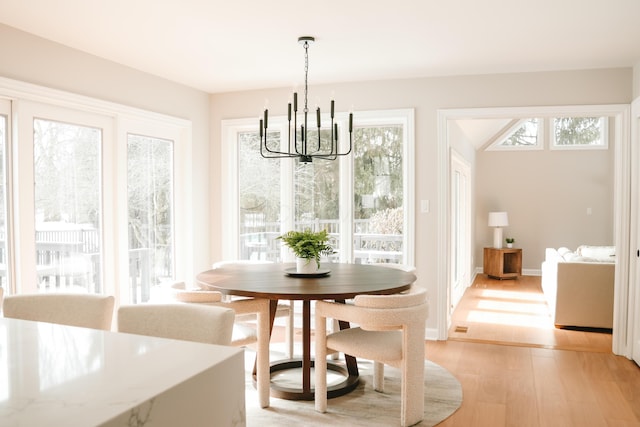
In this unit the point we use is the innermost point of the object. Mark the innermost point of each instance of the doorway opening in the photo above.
(619, 120)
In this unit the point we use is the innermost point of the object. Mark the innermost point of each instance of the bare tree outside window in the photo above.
(67, 205)
(378, 192)
(578, 131)
(259, 197)
(525, 135)
(150, 199)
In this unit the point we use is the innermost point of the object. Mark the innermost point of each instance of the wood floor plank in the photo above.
(612, 403)
(538, 387)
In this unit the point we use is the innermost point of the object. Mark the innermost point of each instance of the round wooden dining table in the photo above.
(335, 281)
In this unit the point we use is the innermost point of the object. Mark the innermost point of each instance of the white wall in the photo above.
(426, 96)
(31, 59)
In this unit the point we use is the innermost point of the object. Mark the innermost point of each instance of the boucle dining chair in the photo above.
(199, 323)
(285, 310)
(241, 335)
(84, 310)
(391, 331)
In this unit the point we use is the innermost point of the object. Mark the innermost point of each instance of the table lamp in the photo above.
(498, 220)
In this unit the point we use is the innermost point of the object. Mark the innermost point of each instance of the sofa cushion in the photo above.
(562, 251)
(572, 257)
(597, 253)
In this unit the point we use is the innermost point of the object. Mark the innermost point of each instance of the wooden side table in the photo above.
(504, 263)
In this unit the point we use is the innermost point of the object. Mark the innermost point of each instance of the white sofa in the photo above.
(578, 286)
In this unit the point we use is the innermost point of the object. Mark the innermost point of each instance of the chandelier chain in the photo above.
(306, 74)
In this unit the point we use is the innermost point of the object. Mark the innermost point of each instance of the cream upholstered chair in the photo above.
(84, 310)
(391, 331)
(283, 310)
(403, 267)
(206, 324)
(241, 335)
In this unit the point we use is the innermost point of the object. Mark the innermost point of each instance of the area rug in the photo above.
(363, 406)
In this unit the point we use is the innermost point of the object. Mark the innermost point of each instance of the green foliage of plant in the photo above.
(510, 239)
(308, 244)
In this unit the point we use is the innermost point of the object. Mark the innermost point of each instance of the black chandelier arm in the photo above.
(269, 153)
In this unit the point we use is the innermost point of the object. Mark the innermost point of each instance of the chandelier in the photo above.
(301, 147)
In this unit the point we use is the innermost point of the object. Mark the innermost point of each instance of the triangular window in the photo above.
(523, 134)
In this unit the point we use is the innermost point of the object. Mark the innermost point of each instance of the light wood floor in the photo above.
(511, 377)
(514, 312)
(564, 379)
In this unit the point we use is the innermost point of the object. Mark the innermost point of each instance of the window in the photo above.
(363, 200)
(580, 133)
(378, 216)
(66, 164)
(95, 208)
(150, 205)
(520, 134)
(570, 132)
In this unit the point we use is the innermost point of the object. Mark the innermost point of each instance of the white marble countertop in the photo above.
(54, 375)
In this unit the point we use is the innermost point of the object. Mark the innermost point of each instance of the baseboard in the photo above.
(525, 272)
(431, 334)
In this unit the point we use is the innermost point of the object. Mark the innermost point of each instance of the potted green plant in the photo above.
(307, 245)
(510, 241)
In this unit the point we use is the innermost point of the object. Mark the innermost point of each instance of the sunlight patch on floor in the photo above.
(512, 319)
(513, 307)
(520, 295)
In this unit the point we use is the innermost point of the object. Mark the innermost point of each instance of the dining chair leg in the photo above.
(412, 393)
(378, 376)
(289, 330)
(263, 370)
(320, 366)
(335, 327)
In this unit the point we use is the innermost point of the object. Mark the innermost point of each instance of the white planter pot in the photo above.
(509, 245)
(306, 266)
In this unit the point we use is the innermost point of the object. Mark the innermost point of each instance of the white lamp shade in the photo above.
(498, 219)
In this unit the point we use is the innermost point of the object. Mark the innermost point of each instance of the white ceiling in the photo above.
(221, 46)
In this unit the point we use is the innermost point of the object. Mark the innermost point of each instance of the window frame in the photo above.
(229, 165)
(119, 120)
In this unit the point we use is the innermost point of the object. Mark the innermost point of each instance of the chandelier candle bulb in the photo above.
(332, 107)
(295, 102)
(289, 111)
(350, 122)
(318, 116)
(266, 115)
